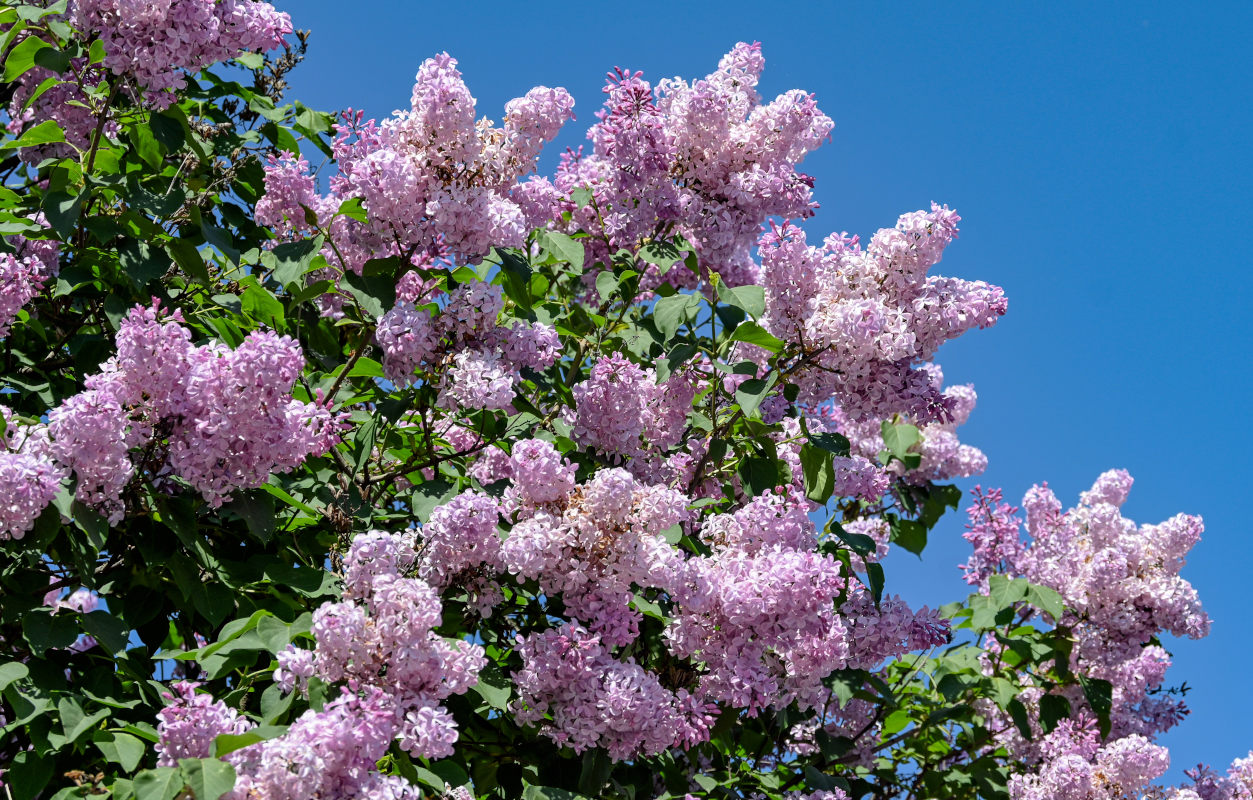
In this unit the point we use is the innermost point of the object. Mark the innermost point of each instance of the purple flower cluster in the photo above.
(29, 478)
(1121, 769)
(158, 42)
(481, 359)
(867, 317)
(596, 700)
(707, 160)
(434, 180)
(217, 418)
(993, 533)
(191, 721)
(379, 641)
(23, 273)
(622, 410)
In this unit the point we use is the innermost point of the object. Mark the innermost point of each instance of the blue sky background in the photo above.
(1101, 159)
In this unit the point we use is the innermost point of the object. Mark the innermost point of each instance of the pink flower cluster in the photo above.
(434, 179)
(993, 533)
(596, 700)
(482, 360)
(866, 317)
(592, 543)
(23, 273)
(29, 478)
(379, 641)
(621, 409)
(191, 721)
(329, 753)
(942, 456)
(706, 160)
(63, 103)
(217, 418)
(1079, 770)
(759, 616)
(157, 42)
(1237, 784)
(1122, 589)
(381, 637)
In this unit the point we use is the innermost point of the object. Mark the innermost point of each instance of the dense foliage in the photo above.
(420, 474)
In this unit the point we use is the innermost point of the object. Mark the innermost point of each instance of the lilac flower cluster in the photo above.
(707, 160)
(1237, 784)
(1122, 589)
(378, 641)
(158, 42)
(191, 721)
(591, 545)
(29, 478)
(596, 700)
(1124, 768)
(153, 43)
(380, 636)
(866, 317)
(622, 410)
(434, 180)
(481, 360)
(23, 273)
(328, 753)
(993, 534)
(217, 418)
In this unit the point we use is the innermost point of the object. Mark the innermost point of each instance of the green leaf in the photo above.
(897, 441)
(46, 132)
(375, 293)
(251, 60)
(493, 686)
(106, 629)
(750, 299)
(909, 534)
(352, 207)
(663, 254)
(1053, 709)
(581, 196)
(874, 576)
(1018, 713)
(121, 748)
(819, 473)
(516, 273)
(1046, 599)
(230, 742)
(208, 778)
(257, 512)
(52, 59)
(606, 285)
(563, 247)
(671, 312)
(10, 672)
(22, 58)
(188, 258)
(162, 783)
(26, 775)
(752, 333)
(833, 443)
(45, 630)
(752, 392)
(295, 259)
(1100, 696)
(759, 474)
(260, 304)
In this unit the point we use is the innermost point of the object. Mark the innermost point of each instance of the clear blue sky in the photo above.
(1100, 156)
